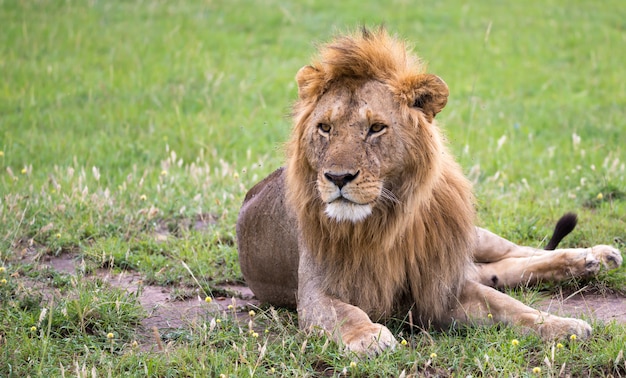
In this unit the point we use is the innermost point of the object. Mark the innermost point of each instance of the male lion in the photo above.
(373, 218)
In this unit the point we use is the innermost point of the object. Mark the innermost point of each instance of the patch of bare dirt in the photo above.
(595, 306)
(62, 264)
(164, 312)
(167, 313)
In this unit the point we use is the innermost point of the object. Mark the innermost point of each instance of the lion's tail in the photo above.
(563, 227)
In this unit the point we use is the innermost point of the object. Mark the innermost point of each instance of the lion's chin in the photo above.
(341, 210)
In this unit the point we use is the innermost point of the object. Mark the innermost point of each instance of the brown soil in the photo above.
(591, 306)
(163, 312)
(166, 313)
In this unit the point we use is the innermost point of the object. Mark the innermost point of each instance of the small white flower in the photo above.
(501, 142)
(575, 140)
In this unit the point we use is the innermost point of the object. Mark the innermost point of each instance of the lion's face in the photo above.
(355, 148)
(364, 130)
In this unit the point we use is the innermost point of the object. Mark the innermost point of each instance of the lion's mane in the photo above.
(413, 251)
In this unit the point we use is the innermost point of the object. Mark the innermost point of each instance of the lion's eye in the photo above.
(323, 127)
(377, 128)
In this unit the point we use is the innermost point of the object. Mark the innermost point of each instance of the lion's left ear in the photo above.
(427, 92)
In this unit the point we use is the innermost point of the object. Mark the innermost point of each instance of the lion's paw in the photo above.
(554, 328)
(371, 341)
(610, 257)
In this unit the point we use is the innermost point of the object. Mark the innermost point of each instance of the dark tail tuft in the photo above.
(564, 226)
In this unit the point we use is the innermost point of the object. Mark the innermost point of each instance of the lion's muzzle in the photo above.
(342, 204)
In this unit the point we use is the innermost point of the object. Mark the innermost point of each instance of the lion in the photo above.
(372, 217)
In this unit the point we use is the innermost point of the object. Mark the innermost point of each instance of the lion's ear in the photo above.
(309, 81)
(430, 94)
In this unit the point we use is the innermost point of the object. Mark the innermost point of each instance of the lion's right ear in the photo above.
(310, 82)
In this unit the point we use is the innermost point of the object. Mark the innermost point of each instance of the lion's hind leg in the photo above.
(558, 265)
(502, 263)
(482, 304)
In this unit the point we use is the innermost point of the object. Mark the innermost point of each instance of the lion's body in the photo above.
(392, 274)
(372, 217)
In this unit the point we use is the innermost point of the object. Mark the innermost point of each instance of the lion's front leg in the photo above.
(483, 304)
(348, 325)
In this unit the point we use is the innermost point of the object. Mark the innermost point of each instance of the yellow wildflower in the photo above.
(515, 342)
(251, 313)
(559, 346)
(208, 299)
(352, 365)
(537, 370)
(433, 355)
(573, 337)
(110, 335)
(403, 342)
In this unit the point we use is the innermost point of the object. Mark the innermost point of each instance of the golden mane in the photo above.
(369, 55)
(415, 247)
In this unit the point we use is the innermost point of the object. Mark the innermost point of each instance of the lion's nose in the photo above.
(340, 179)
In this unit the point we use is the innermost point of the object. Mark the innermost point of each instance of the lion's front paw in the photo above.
(610, 257)
(555, 327)
(370, 340)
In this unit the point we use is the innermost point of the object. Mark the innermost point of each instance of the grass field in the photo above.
(123, 123)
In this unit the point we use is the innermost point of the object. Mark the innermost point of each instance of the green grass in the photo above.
(122, 124)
